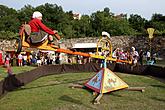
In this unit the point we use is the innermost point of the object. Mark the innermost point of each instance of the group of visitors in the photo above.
(40, 58)
(137, 57)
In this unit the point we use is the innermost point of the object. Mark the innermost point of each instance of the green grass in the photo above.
(53, 93)
(16, 70)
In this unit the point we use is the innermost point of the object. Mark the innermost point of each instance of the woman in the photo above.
(39, 31)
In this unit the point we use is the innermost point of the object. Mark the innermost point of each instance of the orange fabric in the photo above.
(19, 61)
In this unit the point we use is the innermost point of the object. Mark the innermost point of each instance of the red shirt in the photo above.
(36, 25)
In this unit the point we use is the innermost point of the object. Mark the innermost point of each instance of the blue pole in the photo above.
(105, 63)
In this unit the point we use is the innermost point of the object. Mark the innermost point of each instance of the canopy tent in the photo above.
(85, 45)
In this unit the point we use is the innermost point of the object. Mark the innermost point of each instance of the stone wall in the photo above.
(7, 45)
(125, 42)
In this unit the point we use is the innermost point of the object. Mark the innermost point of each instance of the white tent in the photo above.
(85, 45)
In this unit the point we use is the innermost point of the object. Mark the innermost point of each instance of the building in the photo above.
(85, 47)
(77, 16)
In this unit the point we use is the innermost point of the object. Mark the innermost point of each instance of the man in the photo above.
(141, 53)
(148, 56)
(39, 31)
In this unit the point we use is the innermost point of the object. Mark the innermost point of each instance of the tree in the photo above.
(55, 18)
(157, 17)
(158, 22)
(25, 14)
(137, 23)
(52, 14)
(8, 19)
(106, 21)
(84, 26)
(5, 11)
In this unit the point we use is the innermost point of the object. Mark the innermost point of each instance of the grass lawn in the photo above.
(16, 70)
(53, 93)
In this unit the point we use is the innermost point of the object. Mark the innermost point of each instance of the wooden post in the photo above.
(97, 100)
(136, 89)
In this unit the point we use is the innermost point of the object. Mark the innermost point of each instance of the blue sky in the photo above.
(145, 8)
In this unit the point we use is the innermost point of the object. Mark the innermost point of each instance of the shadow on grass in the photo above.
(72, 100)
(114, 94)
(158, 99)
(159, 79)
(42, 86)
(159, 86)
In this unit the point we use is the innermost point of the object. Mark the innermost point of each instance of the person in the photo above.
(154, 58)
(9, 71)
(134, 56)
(7, 61)
(24, 57)
(39, 31)
(20, 57)
(141, 53)
(38, 60)
(103, 61)
(148, 56)
(115, 53)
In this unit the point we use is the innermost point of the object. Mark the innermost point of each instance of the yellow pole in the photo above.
(150, 32)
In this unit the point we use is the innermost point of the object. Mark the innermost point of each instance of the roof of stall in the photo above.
(85, 45)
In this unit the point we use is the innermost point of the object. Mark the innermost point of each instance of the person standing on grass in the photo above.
(7, 66)
(20, 57)
(134, 56)
(7, 61)
(141, 53)
(24, 59)
(9, 71)
(148, 56)
(38, 60)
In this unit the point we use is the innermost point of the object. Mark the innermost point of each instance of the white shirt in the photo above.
(148, 54)
(20, 56)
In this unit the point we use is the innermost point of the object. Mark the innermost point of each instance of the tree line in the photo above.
(88, 26)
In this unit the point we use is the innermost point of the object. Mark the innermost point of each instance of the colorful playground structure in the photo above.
(103, 81)
(104, 42)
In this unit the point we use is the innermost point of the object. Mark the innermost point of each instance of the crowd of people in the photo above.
(46, 58)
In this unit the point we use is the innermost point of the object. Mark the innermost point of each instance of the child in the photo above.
(9, 71)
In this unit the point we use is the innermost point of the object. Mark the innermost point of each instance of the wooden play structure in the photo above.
(104, 81)
(104, 42)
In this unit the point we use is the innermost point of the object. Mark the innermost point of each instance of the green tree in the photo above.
(8, 19)
(157, 17)
(106, 21)
(158, 22)
(25, 14)
(52, 14)
(137, 23)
